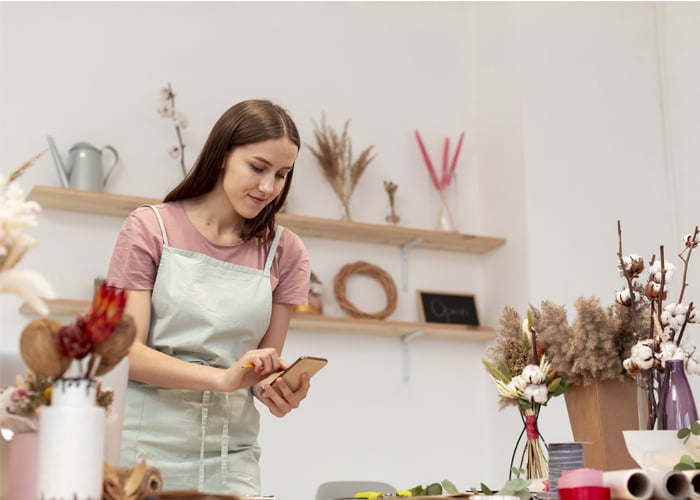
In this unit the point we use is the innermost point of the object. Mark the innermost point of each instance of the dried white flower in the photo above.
(536, 393)
(174, 151)
(516, 385)
(634, 265)
(641, 355)
(655, 271)
(673, 317)
(692, 366)
(532, 374)
(668, 350)
(623, 297)
(166, 110)
(180, 120)
(16, 215)
(166, 94)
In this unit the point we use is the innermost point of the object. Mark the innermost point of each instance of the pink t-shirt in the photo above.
(139, 246)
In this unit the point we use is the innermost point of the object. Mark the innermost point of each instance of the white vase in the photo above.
(71, 443)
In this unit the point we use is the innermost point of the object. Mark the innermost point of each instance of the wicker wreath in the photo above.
(373, 272)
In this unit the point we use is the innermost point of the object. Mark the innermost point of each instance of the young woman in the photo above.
(211, 283)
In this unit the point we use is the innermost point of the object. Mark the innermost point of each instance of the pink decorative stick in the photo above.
(454, 161)
(428, 163)
(445, 154)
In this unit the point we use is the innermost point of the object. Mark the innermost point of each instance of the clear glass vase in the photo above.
(646, 400)
(445, 220)
(676, 408)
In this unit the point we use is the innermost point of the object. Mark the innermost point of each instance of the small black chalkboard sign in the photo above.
(452, 308)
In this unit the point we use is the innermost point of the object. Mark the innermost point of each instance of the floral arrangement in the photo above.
(524, 376)
(20, 405)
(91, 346)
(659, 327)
(442, 182)
(334, 154)
(167, 110)
(16, 215)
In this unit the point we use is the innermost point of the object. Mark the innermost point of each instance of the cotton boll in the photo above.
(532, 374)
(536, 393)
(642, 355)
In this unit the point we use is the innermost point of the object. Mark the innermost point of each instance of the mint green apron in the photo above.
(206, 311)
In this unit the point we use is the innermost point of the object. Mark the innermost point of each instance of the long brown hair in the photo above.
(244, 123)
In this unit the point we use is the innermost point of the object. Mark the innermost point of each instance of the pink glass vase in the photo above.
(676, 408)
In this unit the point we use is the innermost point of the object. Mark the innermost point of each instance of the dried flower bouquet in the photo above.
(659, 327)
(524, 376)
(334, 154)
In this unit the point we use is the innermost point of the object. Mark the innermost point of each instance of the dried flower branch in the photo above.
(16, 215)
(667, 324)
(334, 154)
(390, 189)
(167, 110)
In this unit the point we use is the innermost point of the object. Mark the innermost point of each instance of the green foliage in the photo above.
(686, 462)
(685, 433)
(431, 489)
(450, 488)
(517, 487)
(435, 489)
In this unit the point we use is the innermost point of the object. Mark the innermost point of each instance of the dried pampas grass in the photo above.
(334, 153)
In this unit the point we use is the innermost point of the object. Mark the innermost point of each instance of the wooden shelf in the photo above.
(122, 205)
(320, 323)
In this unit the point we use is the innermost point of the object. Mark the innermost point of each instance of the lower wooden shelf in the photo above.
(318, 322)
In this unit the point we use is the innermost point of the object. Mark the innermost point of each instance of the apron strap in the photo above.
(205, 415)
(273, 249)
(225, 437)
(160, 221)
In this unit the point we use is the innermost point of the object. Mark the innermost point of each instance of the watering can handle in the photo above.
(116, 159)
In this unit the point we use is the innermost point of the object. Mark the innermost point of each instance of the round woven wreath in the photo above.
(373, 272)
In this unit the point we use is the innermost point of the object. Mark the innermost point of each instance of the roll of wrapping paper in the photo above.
(634, 484)
(121, 483)
(671, 485)
(694, 478)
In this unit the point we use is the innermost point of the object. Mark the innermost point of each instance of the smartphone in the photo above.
(305, 364)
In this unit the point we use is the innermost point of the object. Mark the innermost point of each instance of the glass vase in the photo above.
(646, 400)
(71, 443)
(445, 220)
(676, 408)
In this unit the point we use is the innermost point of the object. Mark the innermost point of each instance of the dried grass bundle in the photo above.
(592, 347)
(334, 153)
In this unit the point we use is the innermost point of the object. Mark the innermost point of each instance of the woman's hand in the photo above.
(279, 398)
(253, 367)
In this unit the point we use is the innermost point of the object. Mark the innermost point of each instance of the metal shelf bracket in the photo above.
(405, 341)
(404, 261)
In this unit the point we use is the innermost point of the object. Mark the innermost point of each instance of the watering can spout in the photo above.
(62, 174)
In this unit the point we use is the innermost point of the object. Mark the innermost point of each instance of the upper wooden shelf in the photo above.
(321, 323)
(122, 205)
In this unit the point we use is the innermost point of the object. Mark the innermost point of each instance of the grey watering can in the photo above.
(84, 169)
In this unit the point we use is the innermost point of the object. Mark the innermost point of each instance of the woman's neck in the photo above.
(213, 216)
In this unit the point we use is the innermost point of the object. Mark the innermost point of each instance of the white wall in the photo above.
(568, 129)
